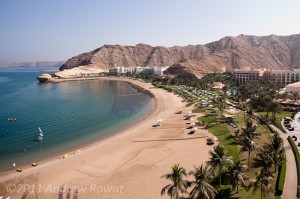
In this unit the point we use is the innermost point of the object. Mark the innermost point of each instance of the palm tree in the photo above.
(264, 158)
(262, 182)
(295, 96)
(218, 160)
(179, 185)
(202, 189)
(277, 151)
(220, 103)
(249, 130)
(274, 108)
(236, 172)
(248, 145)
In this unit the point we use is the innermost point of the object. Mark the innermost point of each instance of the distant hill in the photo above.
(272, 52)
(32, 64)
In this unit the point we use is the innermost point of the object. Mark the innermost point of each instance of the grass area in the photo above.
(215, 92)
(279, 117)
(190, 103)
(207, 119)
(199, 110)
(225, 139)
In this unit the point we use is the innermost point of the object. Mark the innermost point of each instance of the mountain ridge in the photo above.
(271, 52)
(32, 64)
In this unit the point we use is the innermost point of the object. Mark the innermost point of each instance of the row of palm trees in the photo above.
(219, 165)
(201, 186)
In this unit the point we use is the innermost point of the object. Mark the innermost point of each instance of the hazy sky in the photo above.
(53, 30)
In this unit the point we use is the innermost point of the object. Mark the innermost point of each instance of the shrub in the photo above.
(280, 179)
(223, 192)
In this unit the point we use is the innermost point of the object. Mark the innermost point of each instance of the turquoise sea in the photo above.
(70, 114)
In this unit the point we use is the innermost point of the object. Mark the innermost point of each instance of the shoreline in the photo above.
(72, 150)
(141, 153)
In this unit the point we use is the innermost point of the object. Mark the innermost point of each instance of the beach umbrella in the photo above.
(68, 194)
(75, 194)
(159, 121)
(61, 192)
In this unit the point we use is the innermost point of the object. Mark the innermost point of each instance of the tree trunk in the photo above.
(237, 186)
(220, 175)
(260, 192)
(248, 159)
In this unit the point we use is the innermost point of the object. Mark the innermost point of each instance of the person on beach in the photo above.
(14, 165)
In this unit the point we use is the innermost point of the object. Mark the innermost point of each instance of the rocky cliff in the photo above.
(272, 52)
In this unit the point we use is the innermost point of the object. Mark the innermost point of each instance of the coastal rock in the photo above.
(44, 77)
(271, 52)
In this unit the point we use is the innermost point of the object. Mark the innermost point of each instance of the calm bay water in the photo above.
(69, 113)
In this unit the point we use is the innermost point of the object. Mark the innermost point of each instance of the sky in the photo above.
(56, 30)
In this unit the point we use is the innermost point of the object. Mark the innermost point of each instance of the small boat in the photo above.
(65, 156)
(34, 164)
(19, 169)
(41, 135)
(11, 119)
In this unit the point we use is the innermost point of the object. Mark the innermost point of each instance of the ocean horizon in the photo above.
(70, 114)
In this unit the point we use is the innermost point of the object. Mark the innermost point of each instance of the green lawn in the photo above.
(215, 92)
(279, 115)
(225, 135)
(207, 119)
(199, 110)
(225, 138)
(190, 103)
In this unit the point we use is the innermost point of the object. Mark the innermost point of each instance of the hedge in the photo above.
(280, 179)
(297, 158)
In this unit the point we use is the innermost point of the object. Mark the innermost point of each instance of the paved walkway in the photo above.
(290, 183)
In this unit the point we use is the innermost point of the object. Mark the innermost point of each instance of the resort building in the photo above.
(277, 76)
(242, 76)
(285, 76)
(137, 70)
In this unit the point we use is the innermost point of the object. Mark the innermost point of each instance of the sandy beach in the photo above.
(127, 165)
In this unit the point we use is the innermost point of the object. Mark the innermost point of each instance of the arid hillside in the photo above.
(272, 52)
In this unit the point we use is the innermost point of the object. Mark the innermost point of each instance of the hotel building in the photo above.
(277, 76)
(146, 70)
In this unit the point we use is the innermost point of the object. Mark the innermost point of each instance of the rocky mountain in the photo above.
(272, 52)
(32, 64)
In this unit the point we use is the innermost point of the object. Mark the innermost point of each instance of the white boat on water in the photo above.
(41, 135)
